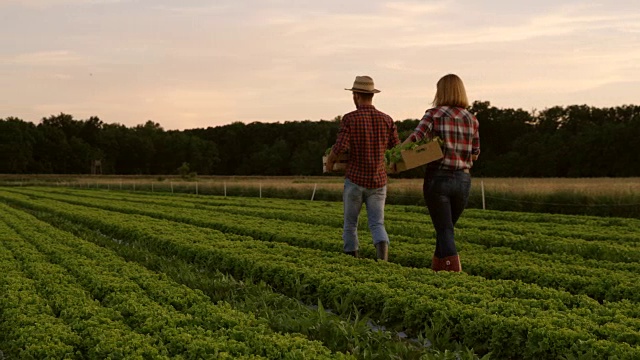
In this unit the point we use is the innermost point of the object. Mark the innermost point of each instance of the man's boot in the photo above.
(352, 253)
(382, 251)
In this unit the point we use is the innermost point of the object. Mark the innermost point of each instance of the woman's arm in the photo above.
(424, 129)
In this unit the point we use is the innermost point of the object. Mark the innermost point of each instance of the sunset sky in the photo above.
(196, 63)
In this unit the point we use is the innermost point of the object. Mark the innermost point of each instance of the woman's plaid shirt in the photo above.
(366, 134)
(458, 128)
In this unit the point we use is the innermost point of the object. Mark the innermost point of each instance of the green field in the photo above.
(111, 274)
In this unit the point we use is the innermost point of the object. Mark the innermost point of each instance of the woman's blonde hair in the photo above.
(450, 92)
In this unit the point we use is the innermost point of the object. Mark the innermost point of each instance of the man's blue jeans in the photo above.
(374, 200)
(446, 194)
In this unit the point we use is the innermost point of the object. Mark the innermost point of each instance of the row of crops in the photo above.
(96, 274)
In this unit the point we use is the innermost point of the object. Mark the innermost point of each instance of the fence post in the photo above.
(172, 187)
(134, 186)
(314, 191)
(196, 188)
(483, 202)
(225, 189)
(260, 190)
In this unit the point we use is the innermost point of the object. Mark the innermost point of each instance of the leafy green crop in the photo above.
(394, 155)
(536, 287)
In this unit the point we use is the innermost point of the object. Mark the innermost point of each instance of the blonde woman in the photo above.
(447, 182)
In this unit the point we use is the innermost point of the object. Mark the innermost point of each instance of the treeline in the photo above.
(573, 141)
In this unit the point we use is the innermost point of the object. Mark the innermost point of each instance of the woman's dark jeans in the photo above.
(446, 194)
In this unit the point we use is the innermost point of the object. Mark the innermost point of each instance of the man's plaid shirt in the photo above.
(458, 128)
(366, 133)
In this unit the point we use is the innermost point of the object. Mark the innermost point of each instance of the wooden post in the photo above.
(172, 187)
(315, 186)
(225, 189)
(483, 202)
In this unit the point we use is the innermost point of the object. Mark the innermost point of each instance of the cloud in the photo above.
(52, 3)
(60, 76)
(43, 58)
(418, 9)
(46, 4)
(196, 10)
(275, 60)
(396, 26)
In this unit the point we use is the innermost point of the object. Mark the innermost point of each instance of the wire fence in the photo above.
(558, 204)
(579, 204)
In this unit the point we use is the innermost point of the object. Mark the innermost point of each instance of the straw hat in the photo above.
(364, 84)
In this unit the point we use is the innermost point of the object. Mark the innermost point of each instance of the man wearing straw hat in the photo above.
(366, 134)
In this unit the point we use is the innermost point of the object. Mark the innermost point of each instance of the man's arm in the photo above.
(393, 136)
(331, 159)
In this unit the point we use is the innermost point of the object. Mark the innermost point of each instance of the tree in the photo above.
(576, 140)
(17, 139)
